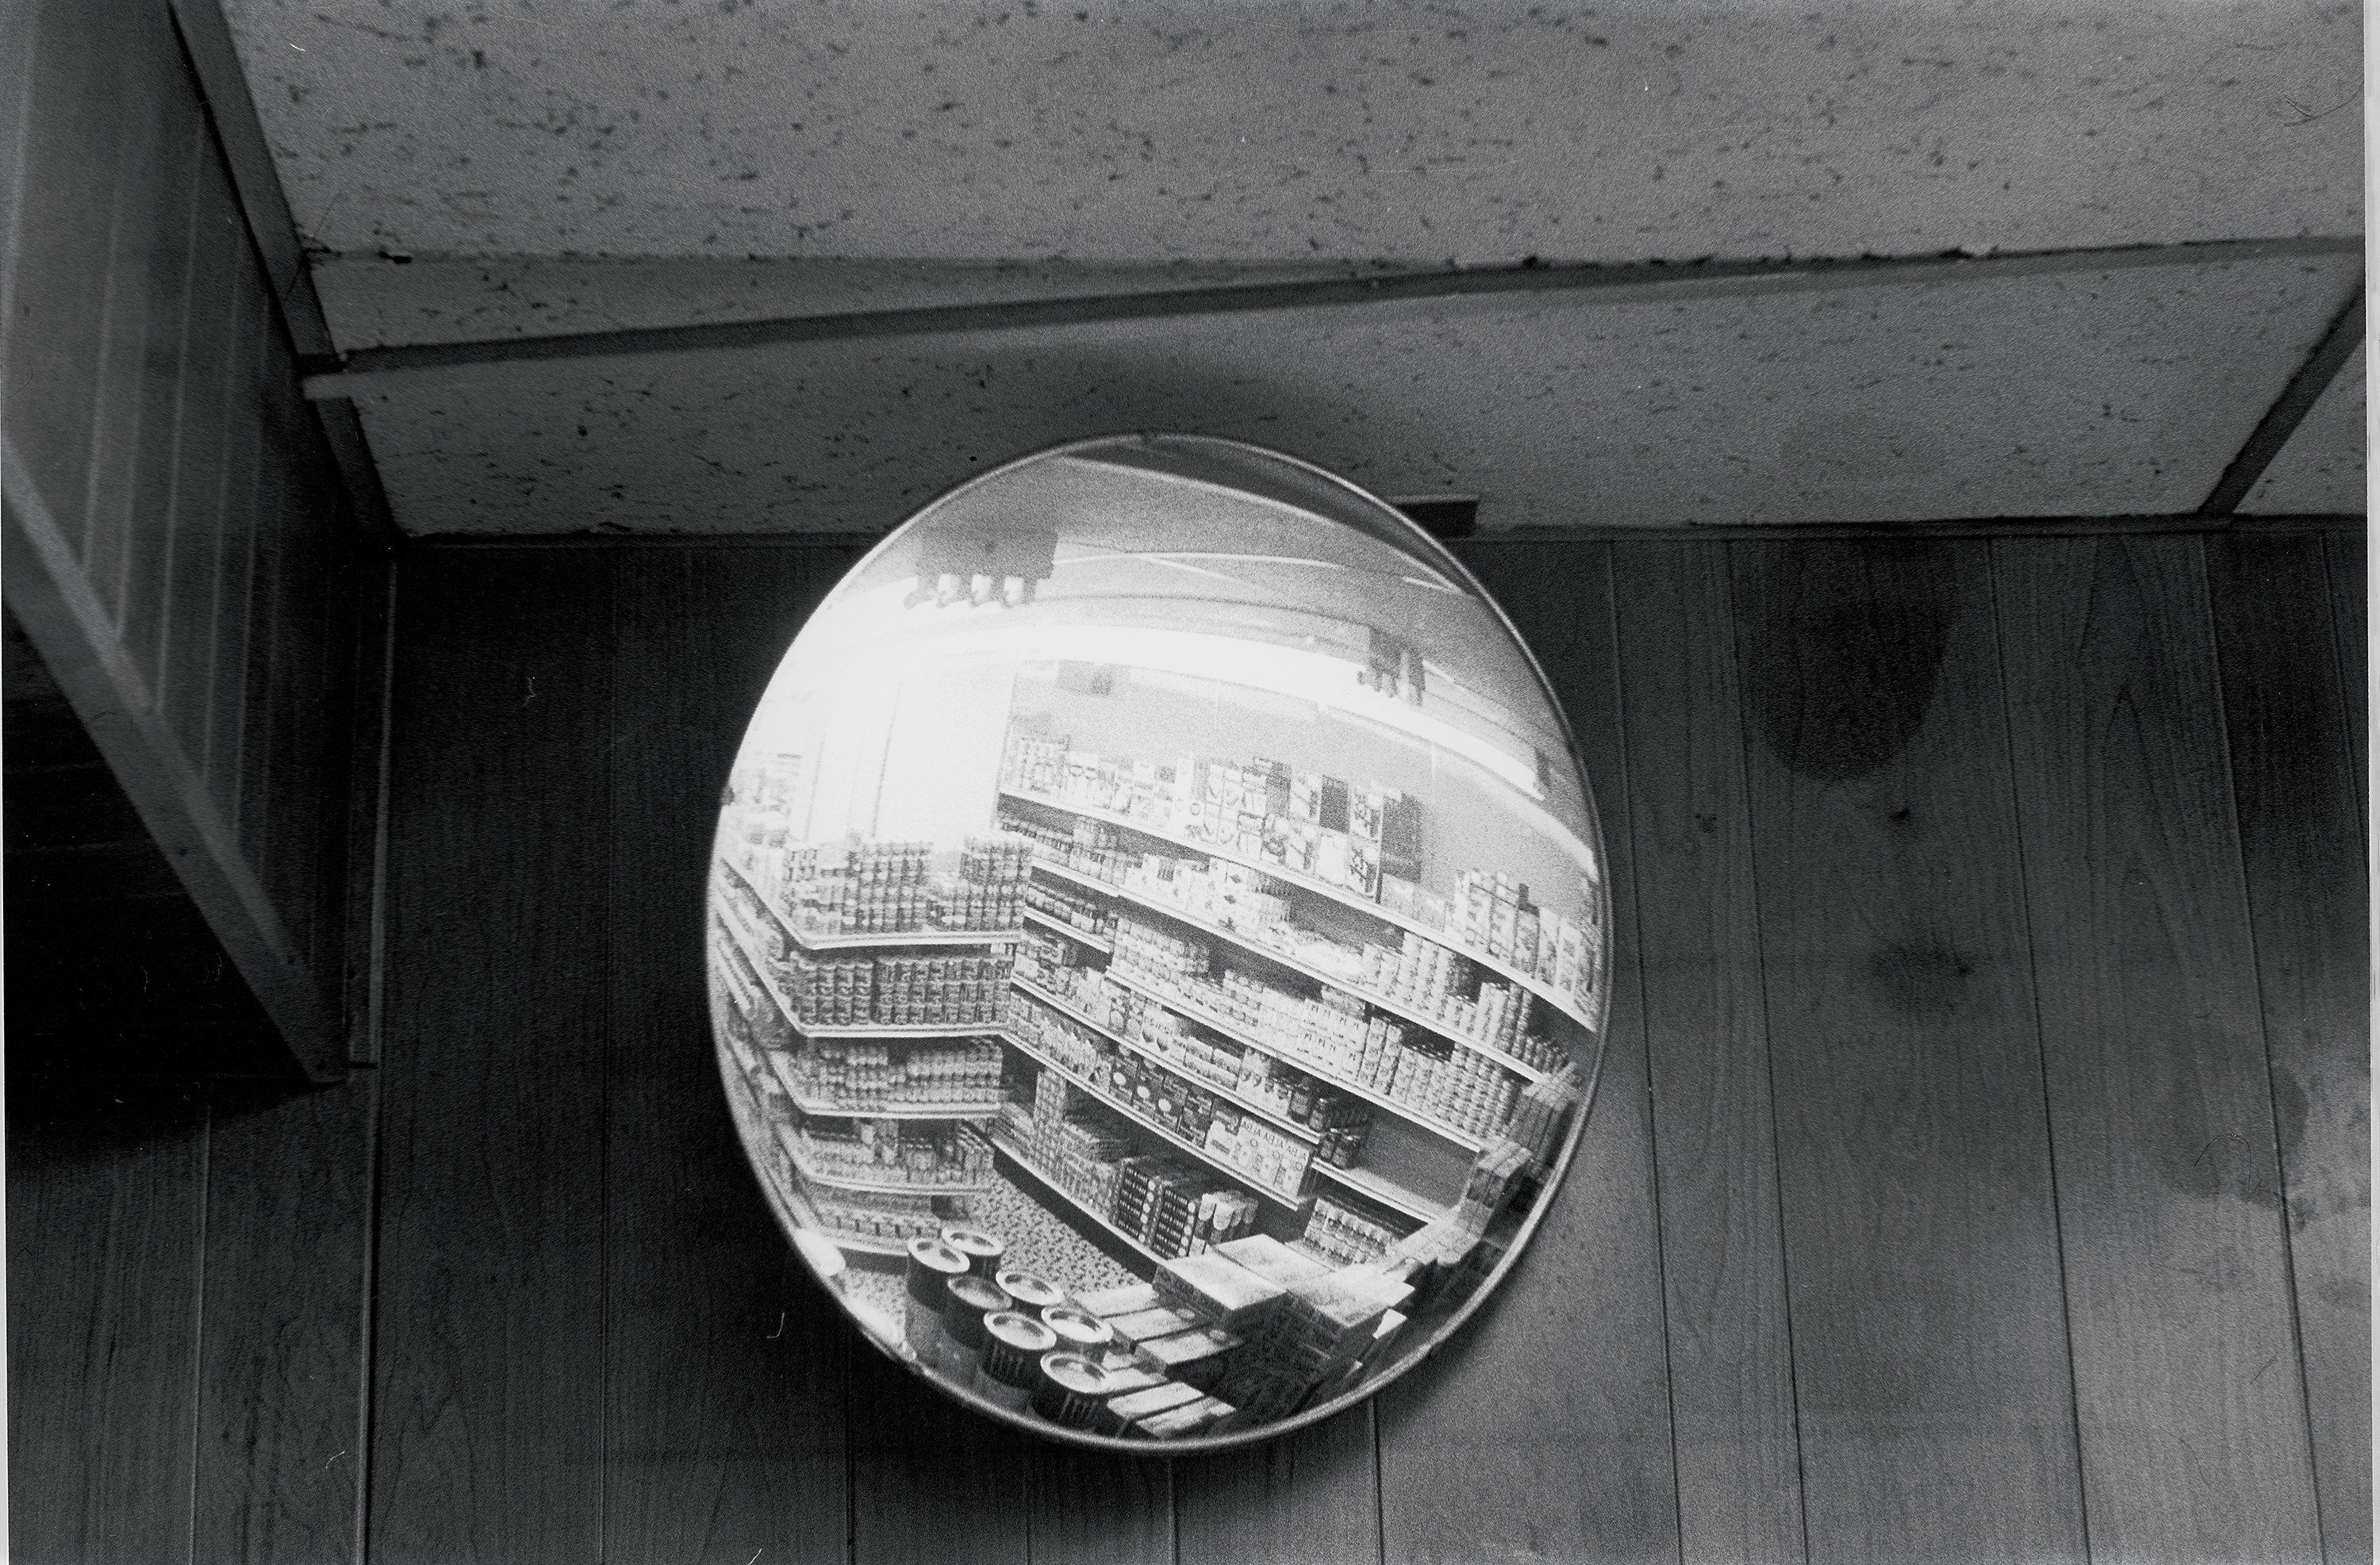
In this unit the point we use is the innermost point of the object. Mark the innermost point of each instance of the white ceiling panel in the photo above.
(2320, 472)
(1225, 131)
(2100, 393)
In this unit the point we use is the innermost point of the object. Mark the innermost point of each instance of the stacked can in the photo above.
(1068, 1388)
(982, 1250)
(968, 1300)
(1030, 1289)
(930, 1265)
(1010, 1366)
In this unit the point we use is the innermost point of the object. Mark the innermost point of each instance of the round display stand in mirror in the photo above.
(1158, 943)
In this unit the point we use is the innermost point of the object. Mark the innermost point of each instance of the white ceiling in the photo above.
(560, 167)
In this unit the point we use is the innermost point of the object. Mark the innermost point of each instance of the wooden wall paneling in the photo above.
(268, 672)
(2193, 1429)
(18, 34)
(1933, 1397)
(1698, 950)
(62, 618)
(282, 1363)
(1312, 1497)
(1087, 1508)
(203, 479)
(2293, 782)
(2347, 554)
(137, 264)
(723, 1362)
(152, 261)
(931, 1481)
(1543, 1431)
(221, 757)
(238, 756)
(308, 553)
(169, 450)
(57, 280)
(105, 1231)
(365, 846)
(488, 1359)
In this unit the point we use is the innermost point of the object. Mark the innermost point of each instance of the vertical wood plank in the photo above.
(1933, 1396)
(221, 754)
(1699, 932)
(281, 1457)
(58, 279)
(147, 62)
(1312, 1497)
(2293, 778)
(1087, 1508)
(723, 1364)
(165, 454)
(1543, 1431)
(20, 43)
(488, 1408)
(2346, 555)
(290, 805)
(931, 1481)
(262, 665)
(2192, 1426)
(202, 479)
(105, 1213)
(365, 842)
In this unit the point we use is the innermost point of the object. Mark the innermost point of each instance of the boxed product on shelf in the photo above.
(1271, 1259)
(1322, 1324)
(1544, 1109)
(1127, 1299)
(1345, 1235)
(1196, 1357)
(1207, 1415)
(1124, 1415)
(1215, 1285)
(1273, 1160)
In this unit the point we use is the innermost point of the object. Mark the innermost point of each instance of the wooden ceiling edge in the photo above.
(2314, 377)
(222, 86)
(380, 370)
(1772, 532)
(248, 157)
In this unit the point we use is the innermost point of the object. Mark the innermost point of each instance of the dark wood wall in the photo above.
(179, 544)
(1979, 1174)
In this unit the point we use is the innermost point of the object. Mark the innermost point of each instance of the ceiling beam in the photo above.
(240, 137)
(382, 369)
(2297, 399)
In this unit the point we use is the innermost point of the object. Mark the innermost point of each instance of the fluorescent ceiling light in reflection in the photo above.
(1282, 670)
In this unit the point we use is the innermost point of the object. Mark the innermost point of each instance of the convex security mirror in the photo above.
(1158, 943)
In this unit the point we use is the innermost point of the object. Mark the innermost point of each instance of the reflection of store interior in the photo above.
(1238, 988)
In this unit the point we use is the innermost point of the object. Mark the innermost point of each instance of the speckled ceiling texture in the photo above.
(1242, 129)
(618, 166)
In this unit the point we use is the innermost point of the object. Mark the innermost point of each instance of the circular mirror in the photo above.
(1158, 943)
